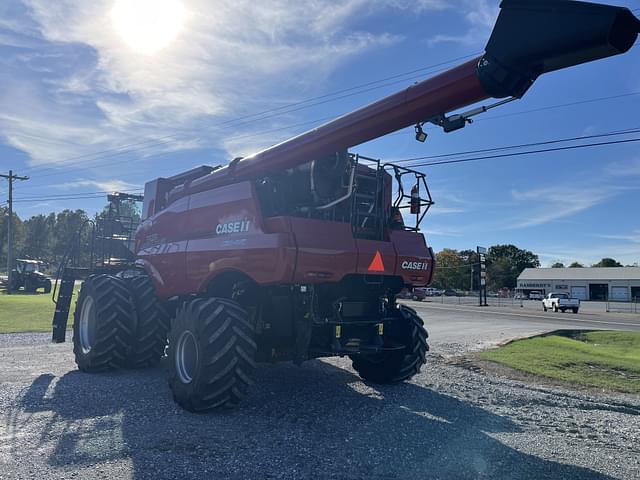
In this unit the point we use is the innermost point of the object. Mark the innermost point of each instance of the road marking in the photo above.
(528, 315)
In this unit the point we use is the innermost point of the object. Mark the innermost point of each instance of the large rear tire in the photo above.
(397, 366)
(211, 354)
(47, 286)
(153, 323)
(104, 322)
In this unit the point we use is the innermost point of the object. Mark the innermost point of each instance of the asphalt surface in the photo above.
(452, 421)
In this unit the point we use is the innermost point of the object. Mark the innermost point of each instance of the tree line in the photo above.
(458, 269)
(42, 237)
(48, 238)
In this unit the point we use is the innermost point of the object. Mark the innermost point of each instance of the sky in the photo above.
(108, 94)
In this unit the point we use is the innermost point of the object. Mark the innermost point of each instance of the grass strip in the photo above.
(604, 359)
(27, 312)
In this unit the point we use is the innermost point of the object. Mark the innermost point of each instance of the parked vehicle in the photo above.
(433, 292)
(27, 275)
(450, 292)
(535, 295)
(416, 293)
(560, 301)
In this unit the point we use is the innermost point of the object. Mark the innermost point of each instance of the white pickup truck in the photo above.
(560, 301)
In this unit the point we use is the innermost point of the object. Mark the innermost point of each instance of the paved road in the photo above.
(476, 327)
(319, 420)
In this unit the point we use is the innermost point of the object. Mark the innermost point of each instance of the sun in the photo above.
(148, 26)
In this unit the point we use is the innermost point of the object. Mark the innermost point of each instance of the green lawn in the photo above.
(22, 312)
(608, 360)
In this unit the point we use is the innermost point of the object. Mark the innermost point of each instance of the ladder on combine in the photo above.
(110, 249)
(369, 219)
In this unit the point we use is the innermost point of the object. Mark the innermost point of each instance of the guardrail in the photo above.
(473, 300)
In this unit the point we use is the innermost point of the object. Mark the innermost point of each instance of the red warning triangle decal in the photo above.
(376, 264)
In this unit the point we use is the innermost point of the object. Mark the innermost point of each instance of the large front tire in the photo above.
(150, 337)
(397, 366)
(211, 354)
(104, 322)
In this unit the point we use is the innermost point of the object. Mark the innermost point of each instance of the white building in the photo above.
(616, 283)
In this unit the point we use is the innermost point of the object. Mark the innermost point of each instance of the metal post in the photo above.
(10, 236)
(11, 177)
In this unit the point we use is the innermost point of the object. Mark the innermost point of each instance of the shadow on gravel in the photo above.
(315, 421)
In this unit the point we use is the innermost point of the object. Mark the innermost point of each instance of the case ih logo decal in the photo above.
(415, 265)
(233, 227)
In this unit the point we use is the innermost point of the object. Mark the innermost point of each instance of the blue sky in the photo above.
(80, 81)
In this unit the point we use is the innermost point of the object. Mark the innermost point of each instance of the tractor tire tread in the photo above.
(226, 352)
(153, 323)
(398, 369)
(114, 324)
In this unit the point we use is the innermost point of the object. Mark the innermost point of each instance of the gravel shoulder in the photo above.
(315, 421)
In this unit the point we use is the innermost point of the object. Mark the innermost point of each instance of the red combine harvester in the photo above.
(299, 251)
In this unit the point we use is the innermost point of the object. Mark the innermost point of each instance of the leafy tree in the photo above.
(452, 269)
(505, 263)
(68, 223)
(558, 265)
(576, 265)
(608, 263)
(18, 236)
(38, 236)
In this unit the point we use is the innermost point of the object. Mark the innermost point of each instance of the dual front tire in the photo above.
(118, 323)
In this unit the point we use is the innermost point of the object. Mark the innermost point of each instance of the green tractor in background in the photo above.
(27, 275)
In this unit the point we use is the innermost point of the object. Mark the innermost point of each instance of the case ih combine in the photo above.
(298, 251)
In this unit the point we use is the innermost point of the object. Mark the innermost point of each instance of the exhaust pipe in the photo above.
(532, 37)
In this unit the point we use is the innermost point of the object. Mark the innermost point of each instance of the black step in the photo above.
(63, 305)
(368, 196)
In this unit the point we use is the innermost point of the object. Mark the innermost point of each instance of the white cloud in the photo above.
(627, 254)
(630, 168)
(633, 237)
(553, 203)
(103, 185)
(564, 199)
(231, 58)
(480, 16)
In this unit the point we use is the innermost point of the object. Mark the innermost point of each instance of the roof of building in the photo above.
(587, 273)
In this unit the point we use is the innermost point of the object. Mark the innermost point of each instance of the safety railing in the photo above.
(624, 306)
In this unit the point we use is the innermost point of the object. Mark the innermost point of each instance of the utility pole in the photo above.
(11, 177)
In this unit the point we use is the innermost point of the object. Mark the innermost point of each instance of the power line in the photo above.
(46, 199)
(90, 195)
(73, 196)
(523, 145)
(356, 90)
(525, 112)
(530, 152)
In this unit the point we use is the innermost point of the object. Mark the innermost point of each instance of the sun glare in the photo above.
(148, 25)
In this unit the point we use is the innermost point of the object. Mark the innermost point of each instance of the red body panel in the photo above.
(201, 236)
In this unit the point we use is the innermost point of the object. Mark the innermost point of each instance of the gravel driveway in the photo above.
(314, 421)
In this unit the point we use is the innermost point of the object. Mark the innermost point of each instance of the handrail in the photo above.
(69, 255)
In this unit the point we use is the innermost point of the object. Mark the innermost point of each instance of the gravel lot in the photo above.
(314, 421)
